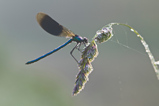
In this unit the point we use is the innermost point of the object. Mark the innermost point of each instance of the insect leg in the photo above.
(72, 52)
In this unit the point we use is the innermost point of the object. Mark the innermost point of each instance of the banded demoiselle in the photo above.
(54, 28)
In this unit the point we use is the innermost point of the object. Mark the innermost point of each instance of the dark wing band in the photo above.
(53, 27)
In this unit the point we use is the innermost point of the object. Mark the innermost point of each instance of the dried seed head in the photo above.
(85, 66)
(104, 34)
(90, 52)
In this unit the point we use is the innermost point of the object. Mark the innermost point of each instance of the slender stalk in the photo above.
(147, 49)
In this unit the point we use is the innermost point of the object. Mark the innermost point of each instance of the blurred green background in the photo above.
(121, 76)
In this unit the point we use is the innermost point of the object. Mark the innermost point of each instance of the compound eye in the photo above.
(85, 40)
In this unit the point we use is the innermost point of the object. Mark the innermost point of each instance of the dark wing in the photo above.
(53, 27)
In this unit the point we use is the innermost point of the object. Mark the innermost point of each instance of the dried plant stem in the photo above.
(91, 51)
(151, 57)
